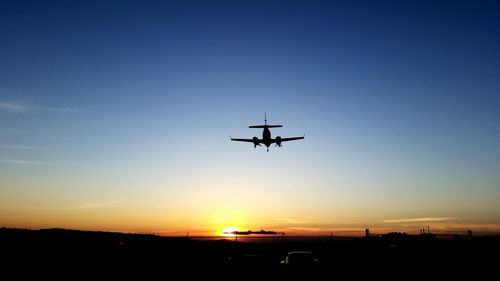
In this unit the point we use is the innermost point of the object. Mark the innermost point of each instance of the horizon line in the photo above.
(323, 234)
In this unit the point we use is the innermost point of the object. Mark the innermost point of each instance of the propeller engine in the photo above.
(255, 142)
(278, 141)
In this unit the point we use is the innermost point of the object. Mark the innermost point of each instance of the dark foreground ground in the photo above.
(72, 254)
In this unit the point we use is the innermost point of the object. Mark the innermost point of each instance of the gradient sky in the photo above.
(116, 115)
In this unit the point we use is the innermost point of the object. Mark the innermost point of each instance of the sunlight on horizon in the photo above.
(227, 231)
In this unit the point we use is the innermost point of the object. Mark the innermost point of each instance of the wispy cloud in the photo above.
(83, 206)
(13, 107)
(27, 162)
(43, 163)
(21, 147)
(288, 220)
(426, 219)
(98, 204)
(78, 164)
(305, 229)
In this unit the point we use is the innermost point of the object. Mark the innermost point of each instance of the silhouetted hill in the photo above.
(58, 252)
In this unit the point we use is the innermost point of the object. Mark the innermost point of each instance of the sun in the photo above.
(227, 231)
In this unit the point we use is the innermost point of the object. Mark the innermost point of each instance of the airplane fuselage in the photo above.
(266, 137)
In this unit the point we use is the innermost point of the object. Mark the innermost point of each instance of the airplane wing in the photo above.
(288, 139)
(291, 139)
(246, 140)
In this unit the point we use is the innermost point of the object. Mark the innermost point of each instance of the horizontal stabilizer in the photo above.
(265, 126)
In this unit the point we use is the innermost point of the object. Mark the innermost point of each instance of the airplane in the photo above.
(266, 139)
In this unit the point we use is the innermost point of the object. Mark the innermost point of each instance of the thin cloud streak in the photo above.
(27, 162)
(83, 165)
(295, 221)
(289, 220)
(97, 205)
(87, 205)
(12, 107)
(428, 219)
(21, 147)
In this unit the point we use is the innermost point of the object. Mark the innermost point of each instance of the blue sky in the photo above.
(126, 108)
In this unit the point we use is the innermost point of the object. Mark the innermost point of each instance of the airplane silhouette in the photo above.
(266, 139)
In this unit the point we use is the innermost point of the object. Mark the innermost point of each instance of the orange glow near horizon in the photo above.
(214, 217)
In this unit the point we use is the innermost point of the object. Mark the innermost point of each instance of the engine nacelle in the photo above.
(278, 141)
(255, 141)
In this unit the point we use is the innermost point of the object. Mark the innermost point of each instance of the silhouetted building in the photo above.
(367, 232)
(469, 234)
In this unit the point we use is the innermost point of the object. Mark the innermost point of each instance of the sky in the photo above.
(117, 116)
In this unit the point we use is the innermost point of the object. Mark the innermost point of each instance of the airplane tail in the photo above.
(265, 124)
